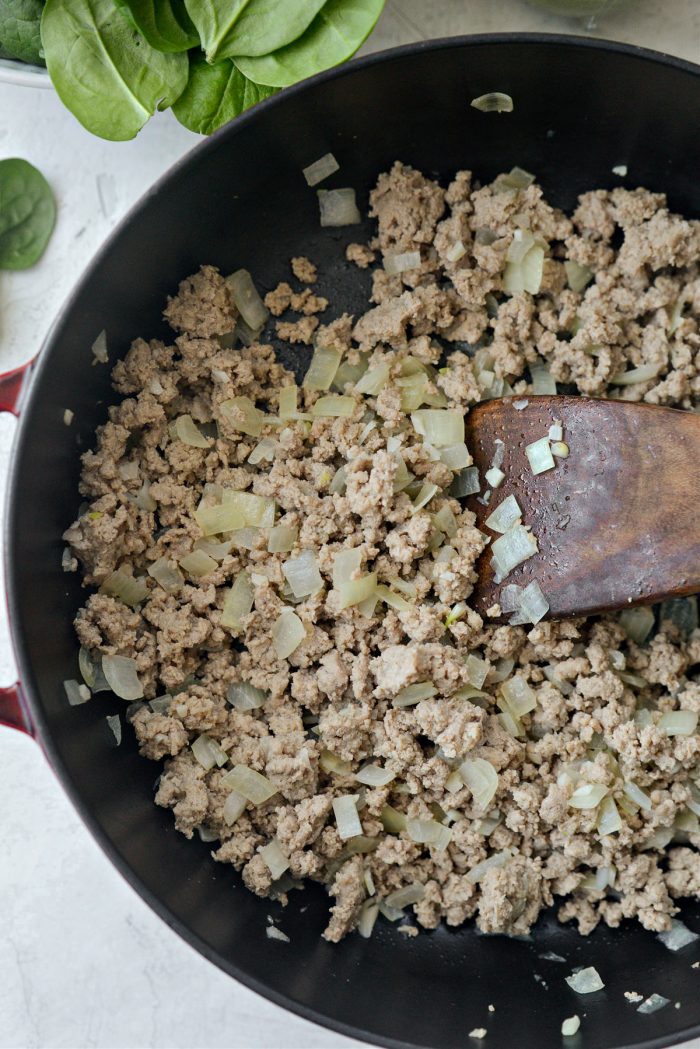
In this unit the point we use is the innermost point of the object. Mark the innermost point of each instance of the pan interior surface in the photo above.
(580, 109)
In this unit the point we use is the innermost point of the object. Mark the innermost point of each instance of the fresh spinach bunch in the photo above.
(27, 214)
(115, 62)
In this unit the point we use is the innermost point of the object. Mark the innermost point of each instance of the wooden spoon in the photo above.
(617, 522)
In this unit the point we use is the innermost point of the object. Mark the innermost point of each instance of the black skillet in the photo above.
(581, 108)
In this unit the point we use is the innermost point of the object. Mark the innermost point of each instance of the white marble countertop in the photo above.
(83, 961)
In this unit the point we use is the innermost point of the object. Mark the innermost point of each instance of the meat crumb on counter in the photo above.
(279, 576)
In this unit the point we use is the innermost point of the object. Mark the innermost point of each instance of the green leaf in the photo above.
(266, 25)
(164, 23)
(105, 72)
(20, 35)
(215, 94)
(27, 214)
(333, 36)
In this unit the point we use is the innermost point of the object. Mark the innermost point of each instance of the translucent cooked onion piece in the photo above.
(238, 602)
(585, 981)
(345, 564)
(406, 260)
(542, 380)
(533, 603)
(652, 1004)
(198, 564)
(456, 251)
(276, 859)
(637, 623)
(287, 634)
(412, 694)
(282, 538)
(99, 348)
(481, 778)
(395, 601)
(247, 300)
(208, 752)
(374, 776)
(122, 585)
(115, 727)
(588, 796)
(429, 832)
(144, 499)
(256, 511)
(643, 373)
(498, 859)
(539, 455)
(512, 548)
(525, 275)
(576, 275)
(504, 516)
(302, 574)
(637, 795)
(320, 169)
(122, 678)
(679, 722)
(242, 415)
(477, 669)
(466, 483)
(252, 785)
(570, 1026)
(426, 493)
(338, 207)
(244, 696)
(373, 381)
(406, 896)
(334, 405)
(493, 102)
(678, 936)
(560, 449)
(288, 399)
(322, 369)
(442, 427)
(392, 820)
(609, 820)
(245, 538)
(213, 520)
(456, 456)
(495, 477)
(346, 816)
(264, 451)
(369, 912)
(356, 590)
(76, 693)
(331, 763)
(519, 696)
(234, 807)
(189, 433)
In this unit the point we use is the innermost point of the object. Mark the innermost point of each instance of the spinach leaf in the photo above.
(27, 214)
(215, 94)
(333, 36)
(20, 35)
(107, 74)
(250, 27)
(164, 23)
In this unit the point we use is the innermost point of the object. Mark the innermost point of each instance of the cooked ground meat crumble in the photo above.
(341, 698)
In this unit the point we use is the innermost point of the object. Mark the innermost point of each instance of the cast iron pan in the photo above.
(581, 107)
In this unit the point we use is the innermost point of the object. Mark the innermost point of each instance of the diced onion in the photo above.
(570, 1026)
(374, 776)
(652, 1004)
(255, 510)
(356, 590)
(481, 778)
(302, 574)
(334, 405)
(405, 896)
(429, 832)
(276, 859)
(345, 564)
(391, 599)
(198, 564)
(188, 432)
(533, 604)
(412, 694)
(373, 381)
(455, 456)
(208, 752)
(241, 414)
(585, 981)
(556, 431)
(424, 496)
(576, 275)
(115, 727)
(264, 451)
(287, 634)
(245, 538)
(122, 678)
(320, 169)
(99, 348)
(144, 499)
(560, 449)
(244, 696)
(238, 602)
(407, 260)
(588, 796)
(629, 378)
(442, 427)
(217, 551)
(525, 275)
(477, 669)
(338, 207)
(213, 520)
(288, 398)
(321, 372)
(346, 816)
(539, 455)
(637, 623)
(504, 516)
(123, 585)
(368, 916)
(609, 820)
(493, 102)
(620, 169)
(637, 795)
(246, 299)
(542, 380)
(330, 762)
(76, 693)
(521, 404)
(281, 539)
(512, 548)
(659, 838)
(392, 820)
(466, 483)
(494, 477)
(679, 722)
(678, 936)
(519, 696)
(161, 705)
(234, 807)
(455, 252)
(498, 859)
(252, 785)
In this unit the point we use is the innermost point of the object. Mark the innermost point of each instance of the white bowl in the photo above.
(22, 74)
